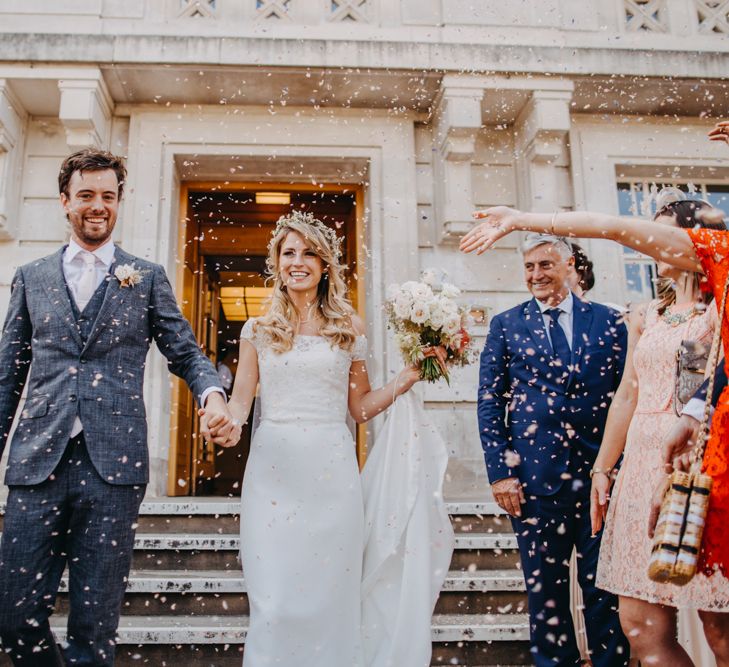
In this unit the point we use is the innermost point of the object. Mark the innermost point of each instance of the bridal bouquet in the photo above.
(430, 327)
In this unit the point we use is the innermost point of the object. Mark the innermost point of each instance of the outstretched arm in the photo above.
(661, 242)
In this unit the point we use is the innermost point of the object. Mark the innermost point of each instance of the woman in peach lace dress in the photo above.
(648, 613)
(641, 415)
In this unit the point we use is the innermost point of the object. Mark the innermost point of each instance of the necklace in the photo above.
(674, 319)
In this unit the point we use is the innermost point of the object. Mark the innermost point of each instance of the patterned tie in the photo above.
(86, 284)
(559, 340)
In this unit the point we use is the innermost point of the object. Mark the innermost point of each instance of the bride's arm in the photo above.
(662, 242)
(246, 380)
(365, 402)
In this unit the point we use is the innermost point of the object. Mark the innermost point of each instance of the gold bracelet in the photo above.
(551, 224)
(601, 471)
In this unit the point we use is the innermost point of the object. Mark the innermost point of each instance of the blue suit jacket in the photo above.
(528, 407)
(101, 380)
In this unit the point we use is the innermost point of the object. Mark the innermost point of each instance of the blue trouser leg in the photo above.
(101, 542)
(552, 527)
(32, 559)
(73, 517)
(608, 645)
(545, 545)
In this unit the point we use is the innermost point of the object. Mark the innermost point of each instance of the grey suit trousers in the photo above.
(74, 518)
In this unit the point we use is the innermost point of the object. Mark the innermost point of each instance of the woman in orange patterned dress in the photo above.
(693, 250)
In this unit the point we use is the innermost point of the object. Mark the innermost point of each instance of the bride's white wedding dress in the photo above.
(303, 521)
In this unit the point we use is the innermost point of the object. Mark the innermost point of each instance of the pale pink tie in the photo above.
(86, 284)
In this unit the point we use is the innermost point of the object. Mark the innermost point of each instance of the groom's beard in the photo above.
(93, 234)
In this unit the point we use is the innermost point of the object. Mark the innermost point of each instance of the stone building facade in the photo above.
(414, 111)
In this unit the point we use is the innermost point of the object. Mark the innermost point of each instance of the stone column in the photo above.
(457, 122)
(86, 108)
(12, 128)
(542, 141)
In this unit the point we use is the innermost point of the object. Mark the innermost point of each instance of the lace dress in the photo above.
(625, 549)
(302, 515)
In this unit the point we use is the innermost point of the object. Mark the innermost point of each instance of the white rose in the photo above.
(452, 325)
(402, 308)
(421, 292)
(429, 277)
(450, 291)
(420, 312)
(437, 316)
(449, 307)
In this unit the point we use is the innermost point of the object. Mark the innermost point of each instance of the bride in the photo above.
(302, 515)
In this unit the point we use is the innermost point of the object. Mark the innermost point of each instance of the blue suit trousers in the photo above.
(550, 527)
(73, 519)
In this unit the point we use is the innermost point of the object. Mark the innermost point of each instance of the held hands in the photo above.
(509, 495)
(217, 423)
(497, 223)
(599, 497)
(676, 451)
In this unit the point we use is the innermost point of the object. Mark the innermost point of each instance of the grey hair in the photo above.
(534, 240)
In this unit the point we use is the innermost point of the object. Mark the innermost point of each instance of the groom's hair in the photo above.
(91, 159)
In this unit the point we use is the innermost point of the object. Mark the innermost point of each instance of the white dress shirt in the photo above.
(73, 264)
(567, 306)
(73, 267)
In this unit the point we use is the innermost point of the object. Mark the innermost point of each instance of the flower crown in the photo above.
(334, 241)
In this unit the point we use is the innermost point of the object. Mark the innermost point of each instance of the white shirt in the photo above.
(566, 317)
(73, 266)
(695, 408)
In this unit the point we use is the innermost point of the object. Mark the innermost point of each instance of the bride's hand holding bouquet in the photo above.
(430, 326)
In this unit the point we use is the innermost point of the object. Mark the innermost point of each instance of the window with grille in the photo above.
(638, 198)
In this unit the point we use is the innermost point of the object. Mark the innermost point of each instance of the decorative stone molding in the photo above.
(12, 126)
(713, 16)
(204, 9)
(646, 15)
(457, 122)
(85, 111)
(273, 9)
(542, 131)
(350, 10)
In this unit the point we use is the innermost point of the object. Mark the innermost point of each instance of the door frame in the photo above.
(181, 472)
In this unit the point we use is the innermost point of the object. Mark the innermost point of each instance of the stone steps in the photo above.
(186, 602)
(216, 581)
(218, 641)
(224, 593)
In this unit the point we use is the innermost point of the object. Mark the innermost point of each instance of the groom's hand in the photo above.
(217, 423)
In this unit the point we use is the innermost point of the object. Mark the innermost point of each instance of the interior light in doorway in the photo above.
(280, 198)
(242, 303)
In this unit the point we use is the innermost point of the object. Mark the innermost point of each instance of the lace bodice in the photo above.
(309, 383)
(654, 357)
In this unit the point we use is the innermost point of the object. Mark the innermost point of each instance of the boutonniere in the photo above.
(128, 275)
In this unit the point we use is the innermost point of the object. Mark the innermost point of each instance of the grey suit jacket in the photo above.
(101, 380)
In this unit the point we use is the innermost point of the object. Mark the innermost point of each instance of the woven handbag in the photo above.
(680, 525)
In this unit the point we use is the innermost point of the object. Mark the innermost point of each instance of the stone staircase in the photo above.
(186, 602)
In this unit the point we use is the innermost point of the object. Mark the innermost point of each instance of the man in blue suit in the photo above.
(549, 369)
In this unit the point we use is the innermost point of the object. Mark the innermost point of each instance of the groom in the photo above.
(82, 320)
(548, 372)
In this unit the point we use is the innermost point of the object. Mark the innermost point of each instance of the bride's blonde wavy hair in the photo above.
(278, 325)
